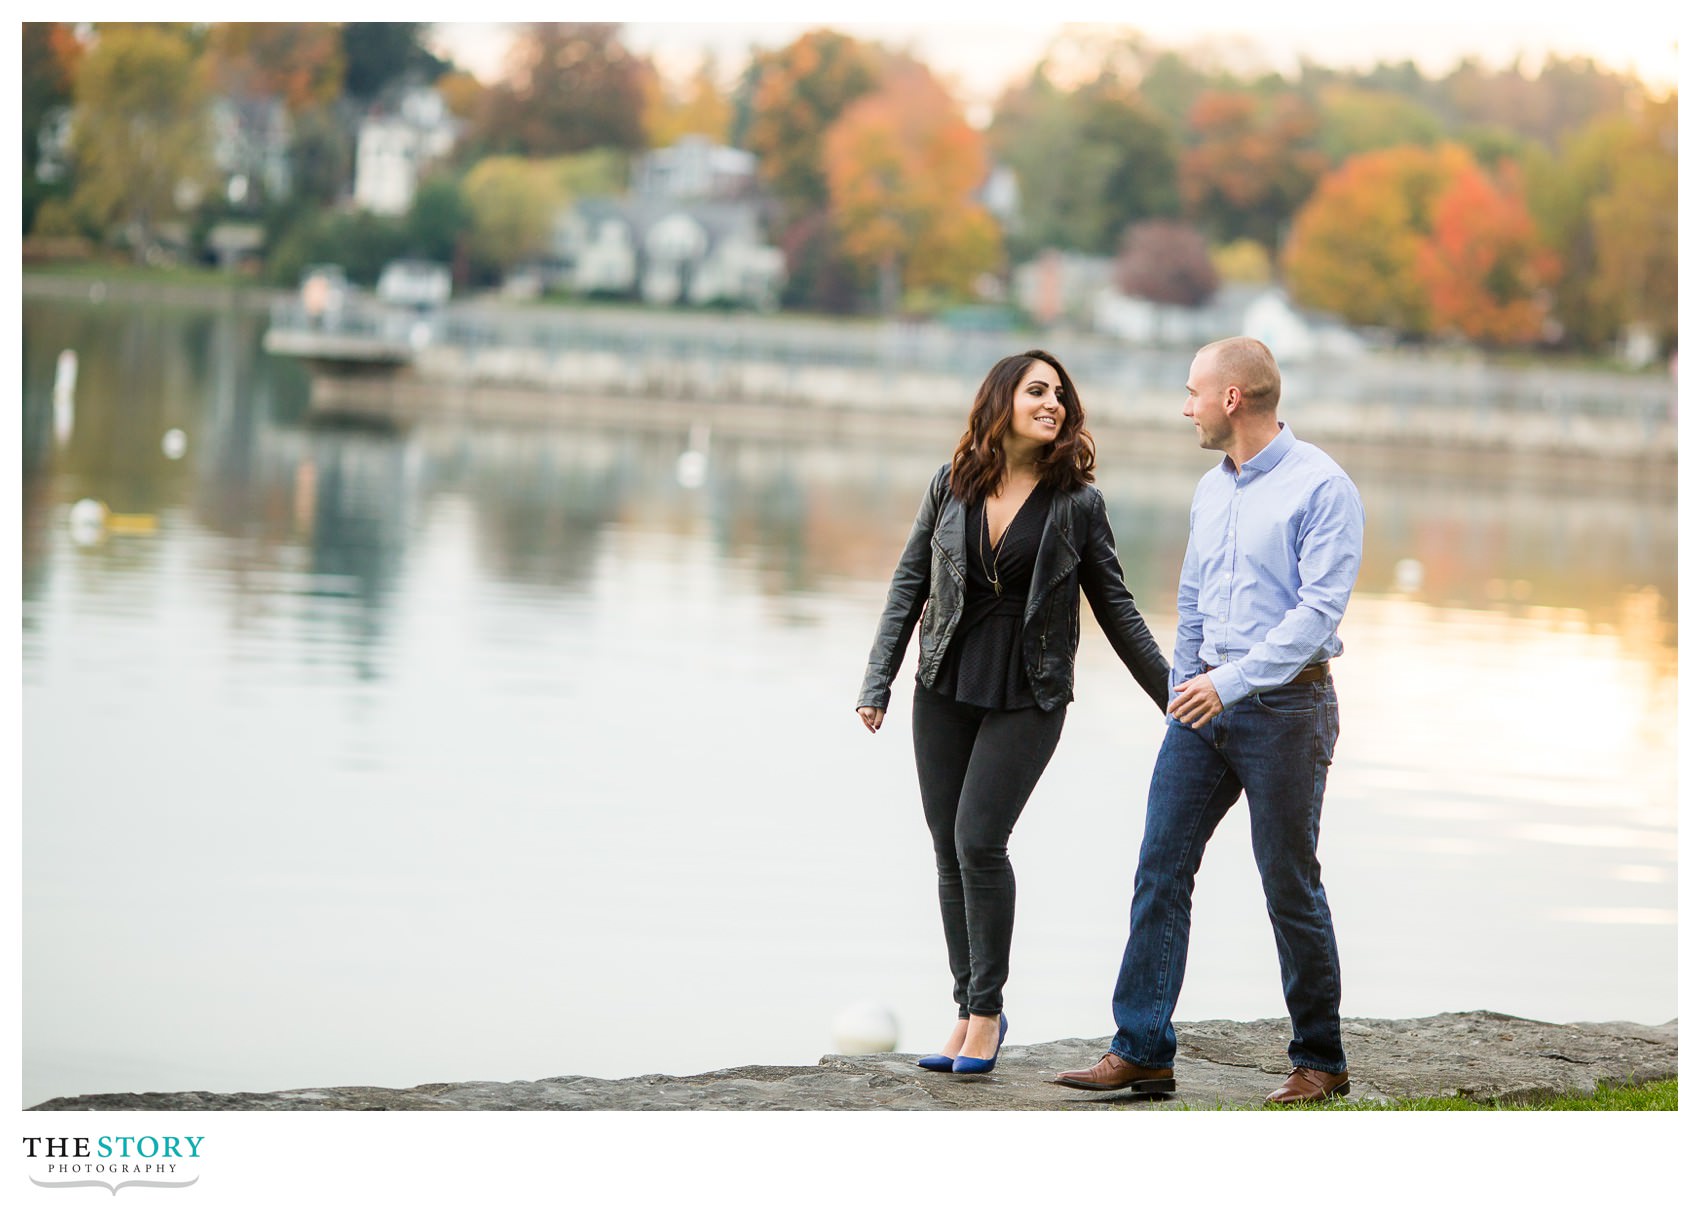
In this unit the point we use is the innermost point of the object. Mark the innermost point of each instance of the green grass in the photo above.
(1653, 1096)
(125, 271)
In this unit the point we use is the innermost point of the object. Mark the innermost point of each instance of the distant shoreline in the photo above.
(813, 376)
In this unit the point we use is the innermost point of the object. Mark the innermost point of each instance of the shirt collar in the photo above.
(1267, 458)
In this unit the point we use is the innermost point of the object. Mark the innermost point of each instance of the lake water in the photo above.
(365, 757)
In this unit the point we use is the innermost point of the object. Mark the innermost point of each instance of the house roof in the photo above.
(718, 218)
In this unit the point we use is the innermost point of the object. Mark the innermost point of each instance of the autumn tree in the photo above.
(782, 107)
(300, 62)
(465, 95)
(1545, 106)
(1635, 229)
(140, 139)
(1355, 245)
(902, 166)
(695, 106)
(1482, 264)
(1165, 261)
(796, 94)
(1243, 260)
(568, 86)
(1607, 203)
(51, 54)
(1250, 164)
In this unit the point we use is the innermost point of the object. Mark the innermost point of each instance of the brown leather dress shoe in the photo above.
(1113, 1073)
(1310, 1086)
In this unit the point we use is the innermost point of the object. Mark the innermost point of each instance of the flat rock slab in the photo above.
(1221, 1065)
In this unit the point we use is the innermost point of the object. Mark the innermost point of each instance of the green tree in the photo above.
(359, 241)
(512, 203)
(321, 157)
(1089, 162)
(439, 219)
(1607, 203)
(1356, 119)
(140, 138)
(377, 54)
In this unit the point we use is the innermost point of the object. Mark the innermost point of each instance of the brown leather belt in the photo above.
(1310, 673)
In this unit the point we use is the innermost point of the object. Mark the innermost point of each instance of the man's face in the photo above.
(1205, 399)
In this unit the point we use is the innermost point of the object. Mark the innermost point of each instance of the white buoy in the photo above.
(64, 417)
(692, 469)
(65, 372)
(88, 522)
(174, 443)
(64, 396)
(863, 1028)
(1408, 575)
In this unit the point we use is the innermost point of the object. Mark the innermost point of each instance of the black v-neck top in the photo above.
(983, 666)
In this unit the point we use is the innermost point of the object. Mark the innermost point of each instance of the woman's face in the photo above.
(1037, 416)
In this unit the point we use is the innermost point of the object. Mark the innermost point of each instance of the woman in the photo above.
(1011, 530)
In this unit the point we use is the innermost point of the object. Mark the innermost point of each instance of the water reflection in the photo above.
(513, 703)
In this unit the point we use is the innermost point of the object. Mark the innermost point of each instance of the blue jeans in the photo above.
(1275, 746)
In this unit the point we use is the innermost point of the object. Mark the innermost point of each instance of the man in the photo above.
(1275, 543)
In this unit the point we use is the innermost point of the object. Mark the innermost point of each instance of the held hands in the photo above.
(872, 717)
(1196, 701)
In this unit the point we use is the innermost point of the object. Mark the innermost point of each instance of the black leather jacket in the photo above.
(1076, 552)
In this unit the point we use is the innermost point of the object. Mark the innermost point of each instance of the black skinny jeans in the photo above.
(977, 768)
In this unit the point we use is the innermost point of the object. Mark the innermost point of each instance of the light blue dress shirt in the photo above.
(1271, 559)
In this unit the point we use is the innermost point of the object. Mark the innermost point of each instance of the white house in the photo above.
(392, 149)
(1252, 310)
(695, 168)
(689, 233)
(250, 146)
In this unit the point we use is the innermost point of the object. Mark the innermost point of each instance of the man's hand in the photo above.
(1196, 701)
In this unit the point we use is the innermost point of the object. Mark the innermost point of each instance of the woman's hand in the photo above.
(872, 717)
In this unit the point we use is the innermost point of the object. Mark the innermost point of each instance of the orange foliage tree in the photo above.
(1355, 246)
(300, 61)
(902, 166)
(567, 86)
(694, 106)
(798, 92)
(1483, 265)
(1251, 164)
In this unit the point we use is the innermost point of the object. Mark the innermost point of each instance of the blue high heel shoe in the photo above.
(973, 1064)
(938, 1062)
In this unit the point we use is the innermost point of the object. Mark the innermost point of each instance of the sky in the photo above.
(981, 57)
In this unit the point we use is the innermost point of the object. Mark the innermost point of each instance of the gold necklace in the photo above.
(985, 532)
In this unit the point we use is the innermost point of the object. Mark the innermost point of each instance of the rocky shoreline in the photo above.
(1221, 1065)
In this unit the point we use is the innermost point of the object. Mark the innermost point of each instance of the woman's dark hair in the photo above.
(977, 469)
